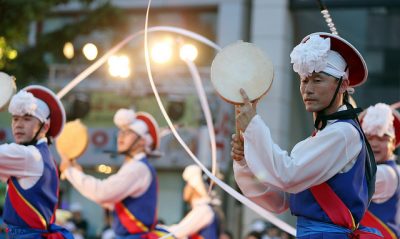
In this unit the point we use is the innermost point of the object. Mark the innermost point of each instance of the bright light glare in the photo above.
(161, 52)
(188, 52)
(68, 50)
(12, 54)
(119, 66)
(102, 168)
(90, 51)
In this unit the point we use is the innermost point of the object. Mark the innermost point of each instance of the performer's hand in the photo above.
(246, 111)
(67, 162)
(237, 152)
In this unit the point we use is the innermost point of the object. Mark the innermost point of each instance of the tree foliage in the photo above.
(31, 62)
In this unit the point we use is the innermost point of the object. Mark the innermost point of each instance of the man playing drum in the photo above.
(28, 166)
(132, 192)
(381, 125)
(328, 179)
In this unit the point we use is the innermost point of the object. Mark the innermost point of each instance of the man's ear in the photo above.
(46, 127)
(344, 86)
(392, 144)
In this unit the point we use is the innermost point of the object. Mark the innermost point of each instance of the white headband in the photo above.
(378, 120)
(126, 119)
(25, 103)
(315, 55)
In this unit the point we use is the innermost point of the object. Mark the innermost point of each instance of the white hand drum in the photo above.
(7, 89)
(241, 65)
(73, 140)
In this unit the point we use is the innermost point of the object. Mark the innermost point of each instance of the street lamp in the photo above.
(188, 52)
(90, 51)
(119, 66)
(68, 50)
(161, 52)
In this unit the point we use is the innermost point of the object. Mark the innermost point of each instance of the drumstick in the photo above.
(237, 130)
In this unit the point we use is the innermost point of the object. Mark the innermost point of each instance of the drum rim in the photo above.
(229, 100)
(12, 89)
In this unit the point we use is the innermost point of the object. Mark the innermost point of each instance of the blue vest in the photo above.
(43, 195)
(211, 231)
(387, 211)
(351, 187)
(143, 208)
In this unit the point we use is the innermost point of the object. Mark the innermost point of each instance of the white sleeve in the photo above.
(198, 218)
(312, 161)
(386, 183)
(268, 197)
(20, 161)
(133, 179)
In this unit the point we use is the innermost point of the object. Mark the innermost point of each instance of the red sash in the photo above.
(370, 220)
(196, 236)
(29, 214)
(24, 209)
(338, 212)
(130, 222)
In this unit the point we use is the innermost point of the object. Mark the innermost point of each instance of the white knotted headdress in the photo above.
(378, 120)
(315, 55)
(25, 103)
(126, 119)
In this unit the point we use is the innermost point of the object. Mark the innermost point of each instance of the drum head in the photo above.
(241, 65)
(73, 140)
(7, 89)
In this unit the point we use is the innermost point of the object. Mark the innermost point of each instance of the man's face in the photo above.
(382, 147)
(317, 91)
(24, 128)
(125, 140)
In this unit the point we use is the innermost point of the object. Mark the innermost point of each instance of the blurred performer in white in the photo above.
(202, 221)
(381, 125)
(133, 191)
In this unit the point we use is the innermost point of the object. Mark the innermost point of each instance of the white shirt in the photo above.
(386, 183)
(268, 171)
(199, 217)
(23, 162)
(132, 180)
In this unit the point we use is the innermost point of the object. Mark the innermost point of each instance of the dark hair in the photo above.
(254, 234)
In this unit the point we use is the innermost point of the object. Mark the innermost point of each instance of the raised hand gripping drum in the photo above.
(241, 65)
(7, 89)
(73, 140)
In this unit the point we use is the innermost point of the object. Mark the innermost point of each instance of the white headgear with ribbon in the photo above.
(126, 119)
(315, 55)
(378, 120)
(25, 103)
